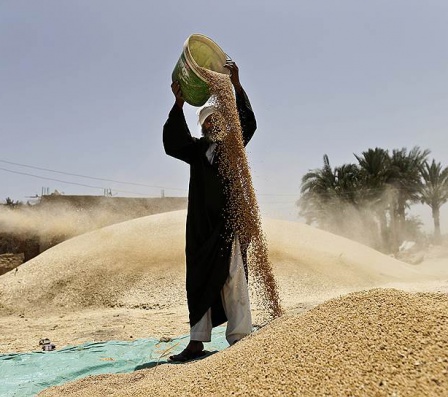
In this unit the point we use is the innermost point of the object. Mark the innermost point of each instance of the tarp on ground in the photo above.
(26, 374)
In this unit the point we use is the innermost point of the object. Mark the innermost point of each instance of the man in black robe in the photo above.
(216, 274)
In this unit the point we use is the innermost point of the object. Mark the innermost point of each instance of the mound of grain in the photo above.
(129, 280)
(312, 265)
(134, 264)
(141, 264)
(381, 342)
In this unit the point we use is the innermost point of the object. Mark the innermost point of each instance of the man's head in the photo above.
(208, 121)
(204, 113)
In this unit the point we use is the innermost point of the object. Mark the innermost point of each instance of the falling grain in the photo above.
(242, 213)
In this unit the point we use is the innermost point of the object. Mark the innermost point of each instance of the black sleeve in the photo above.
(177, 140)
(247, 116)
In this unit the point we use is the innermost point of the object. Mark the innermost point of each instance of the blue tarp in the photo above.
(26, 374)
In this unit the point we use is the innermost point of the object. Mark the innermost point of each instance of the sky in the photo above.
(85, 90)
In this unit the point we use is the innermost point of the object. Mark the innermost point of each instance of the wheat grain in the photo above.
(242, 212)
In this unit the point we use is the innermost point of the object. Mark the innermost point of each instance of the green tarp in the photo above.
(26, 374)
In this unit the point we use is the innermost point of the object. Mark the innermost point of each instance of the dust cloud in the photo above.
(59, 220)
(71, 216)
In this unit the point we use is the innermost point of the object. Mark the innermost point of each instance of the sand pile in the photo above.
(127, 281)
(140, 264)
(381, 342)
(116, 266)
(312, 265)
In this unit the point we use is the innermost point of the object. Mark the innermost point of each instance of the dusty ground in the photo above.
(21, 333)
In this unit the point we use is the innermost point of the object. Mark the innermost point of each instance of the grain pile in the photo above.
(116, 266)
(128, 280)
(381, 342)
(242, 214)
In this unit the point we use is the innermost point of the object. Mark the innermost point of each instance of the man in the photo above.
(216, 276)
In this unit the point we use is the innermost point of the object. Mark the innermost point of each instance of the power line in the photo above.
(84, 176)
(70, 183)
(105, 180)
(327, 194)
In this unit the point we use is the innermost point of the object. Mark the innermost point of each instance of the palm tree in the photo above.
(375, 172)
(405, 175)
(347, 185)
(405, 178)
(392, 182)
(434, 191)
(317, 190)
(330, 197)
(377, 191)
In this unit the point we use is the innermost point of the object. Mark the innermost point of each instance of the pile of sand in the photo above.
(380, 342)
(140, 264)
(127, 281)
(137, 263)
(121, 282)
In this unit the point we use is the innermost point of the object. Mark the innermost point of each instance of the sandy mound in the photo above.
(127, 281)
(379, 342)
(140, 264)
(137, 263)
(311, 264)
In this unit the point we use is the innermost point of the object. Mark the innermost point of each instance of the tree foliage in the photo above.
(368, 200)
(11, 203)
(434, 191)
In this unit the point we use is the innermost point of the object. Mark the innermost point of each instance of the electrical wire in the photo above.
(84, 176)
(105, 180)
(70, 183)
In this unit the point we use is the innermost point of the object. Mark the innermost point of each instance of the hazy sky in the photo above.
(85, 89)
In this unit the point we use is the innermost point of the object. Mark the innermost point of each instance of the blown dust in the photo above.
(355, 322)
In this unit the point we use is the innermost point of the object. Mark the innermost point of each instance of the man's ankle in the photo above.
(196, 345)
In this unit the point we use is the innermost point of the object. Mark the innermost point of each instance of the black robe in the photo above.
(207, 251)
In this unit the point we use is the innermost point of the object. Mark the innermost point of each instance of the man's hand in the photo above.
(234, 74)
(175, 87)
